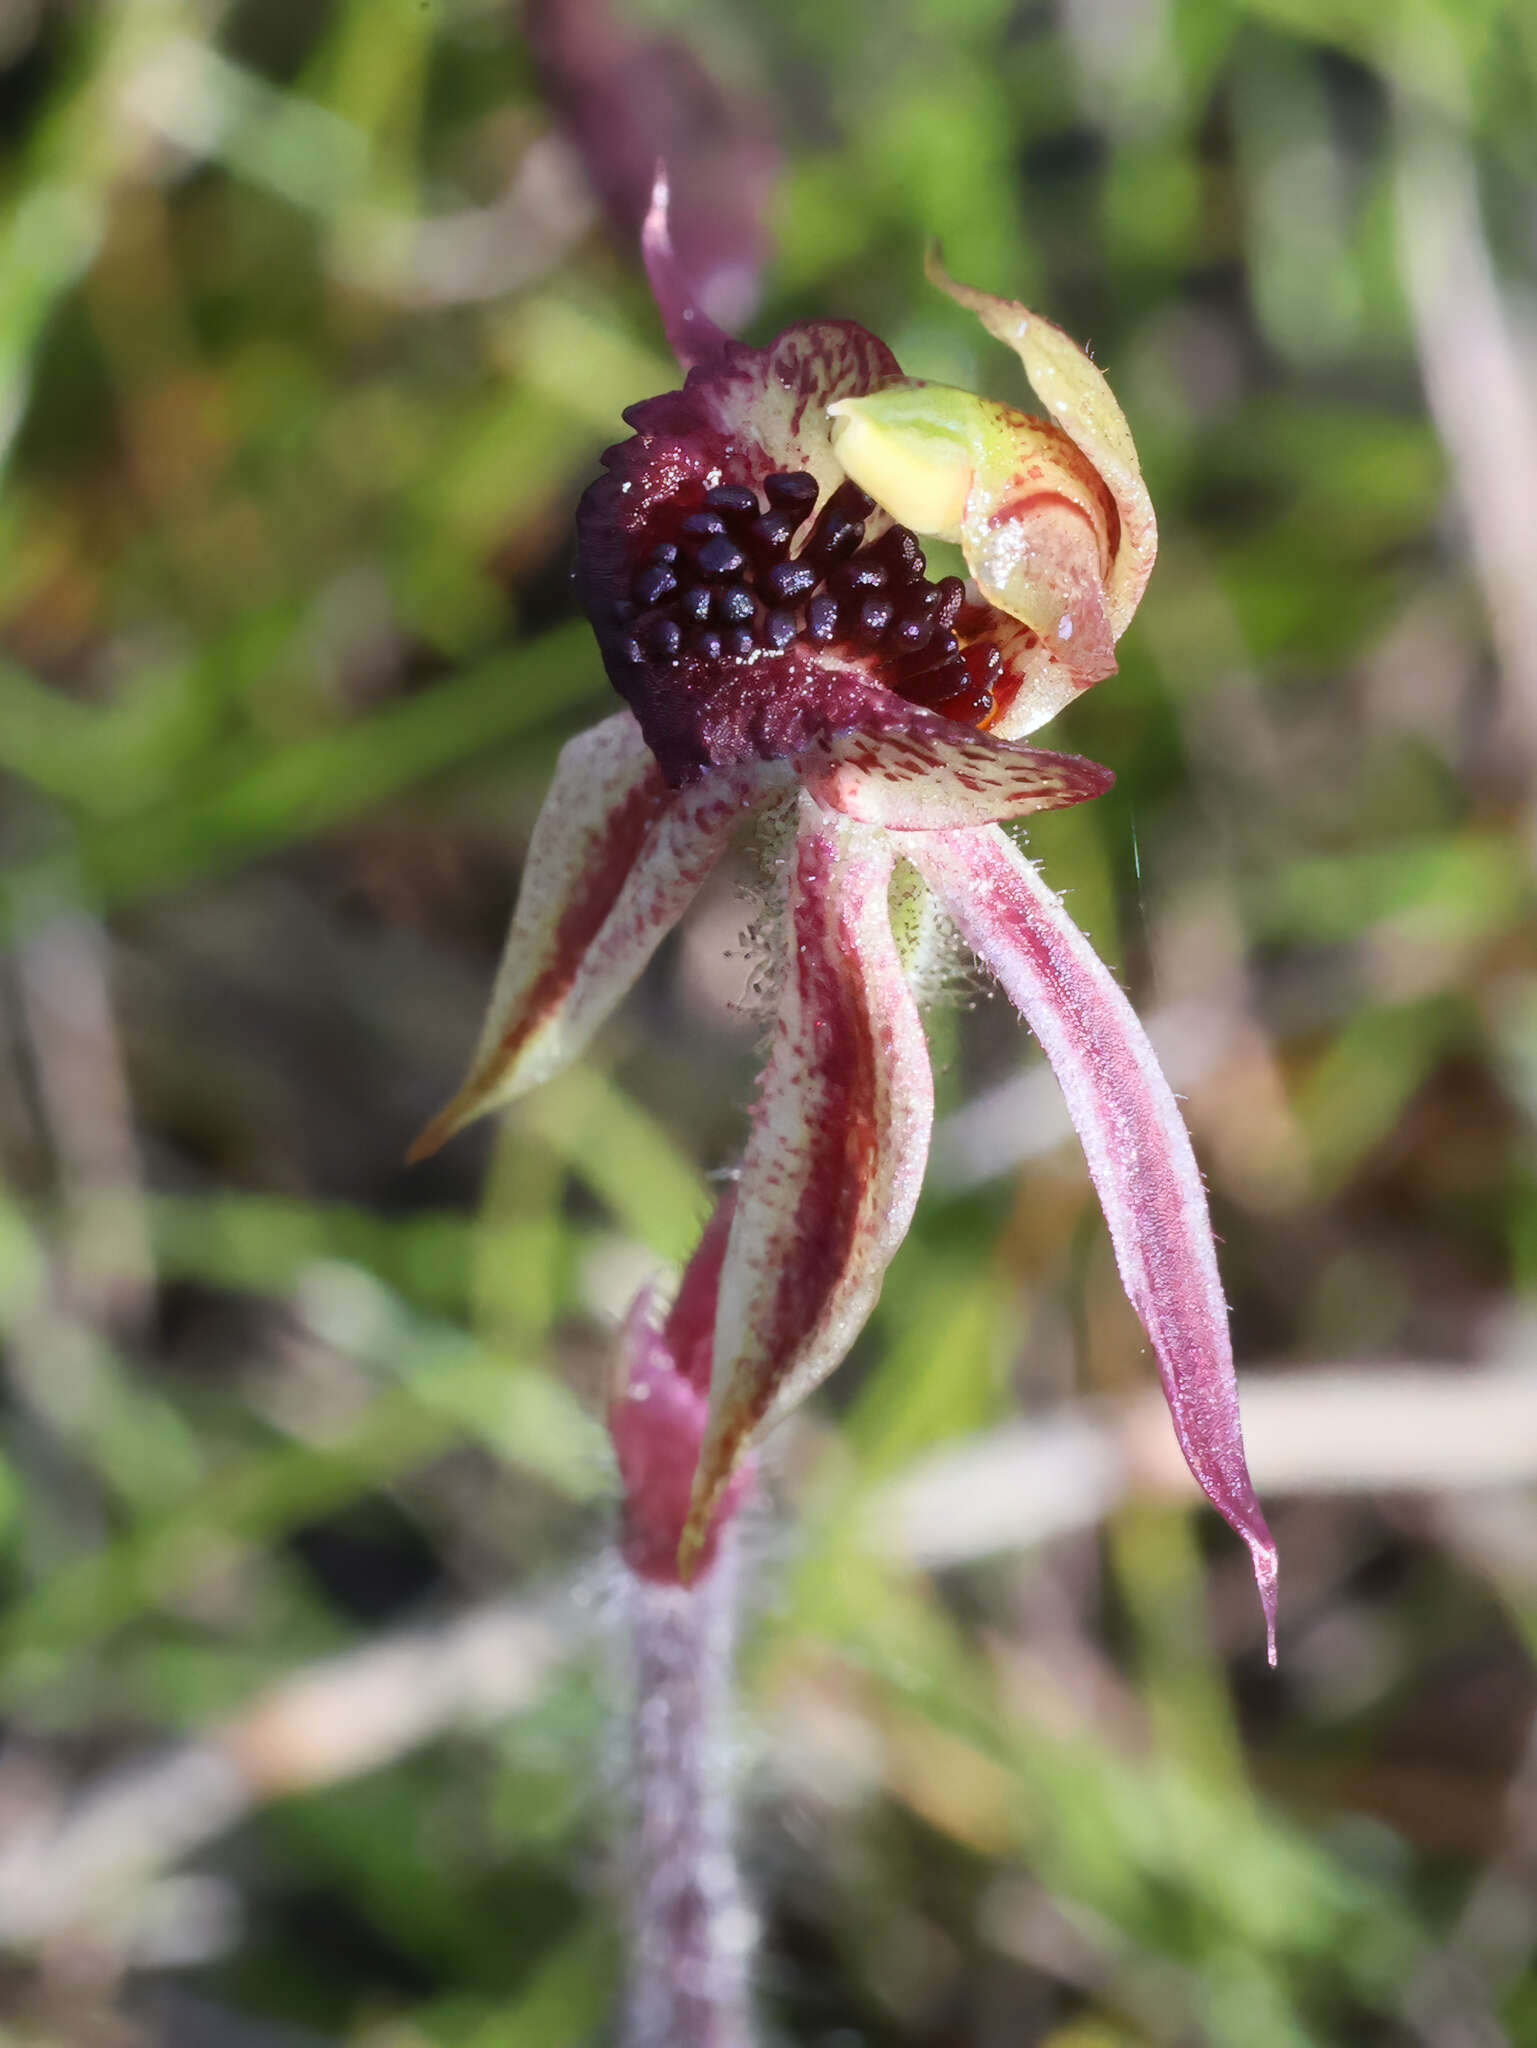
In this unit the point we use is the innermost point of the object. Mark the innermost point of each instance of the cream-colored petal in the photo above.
(835, 1158)
(616, 858)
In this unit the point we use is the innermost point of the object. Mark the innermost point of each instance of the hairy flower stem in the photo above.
(690, 1929)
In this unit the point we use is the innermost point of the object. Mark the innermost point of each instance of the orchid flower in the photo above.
(752, 566)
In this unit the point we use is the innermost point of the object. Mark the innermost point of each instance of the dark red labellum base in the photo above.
(745, 621)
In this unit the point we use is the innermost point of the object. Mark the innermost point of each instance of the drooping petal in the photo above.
(616, 858)
(657, 1413)
(833, 1165)
(1138, 1151)
(1075, 393)
(929, 774)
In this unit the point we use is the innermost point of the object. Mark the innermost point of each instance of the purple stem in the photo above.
(690, 1929)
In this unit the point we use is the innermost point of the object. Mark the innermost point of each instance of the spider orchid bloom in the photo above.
(751, 565)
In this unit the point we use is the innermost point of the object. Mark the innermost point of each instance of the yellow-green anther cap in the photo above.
(913, 447)
(1083, 406)
(1051, 515)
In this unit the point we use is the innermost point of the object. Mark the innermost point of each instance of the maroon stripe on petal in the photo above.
(612, 861)
(611, 857)
(833, 1044)
(690, 1326)
(835, 1158)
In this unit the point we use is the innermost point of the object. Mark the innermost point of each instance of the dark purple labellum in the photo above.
(731, 578)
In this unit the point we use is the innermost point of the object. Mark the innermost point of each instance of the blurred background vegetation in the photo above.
(311, 330)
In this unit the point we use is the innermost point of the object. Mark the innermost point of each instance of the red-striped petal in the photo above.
(836, 1154)
(615, 860)
(1137, 1147)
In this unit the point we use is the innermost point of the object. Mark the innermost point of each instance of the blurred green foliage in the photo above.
(286, 652)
